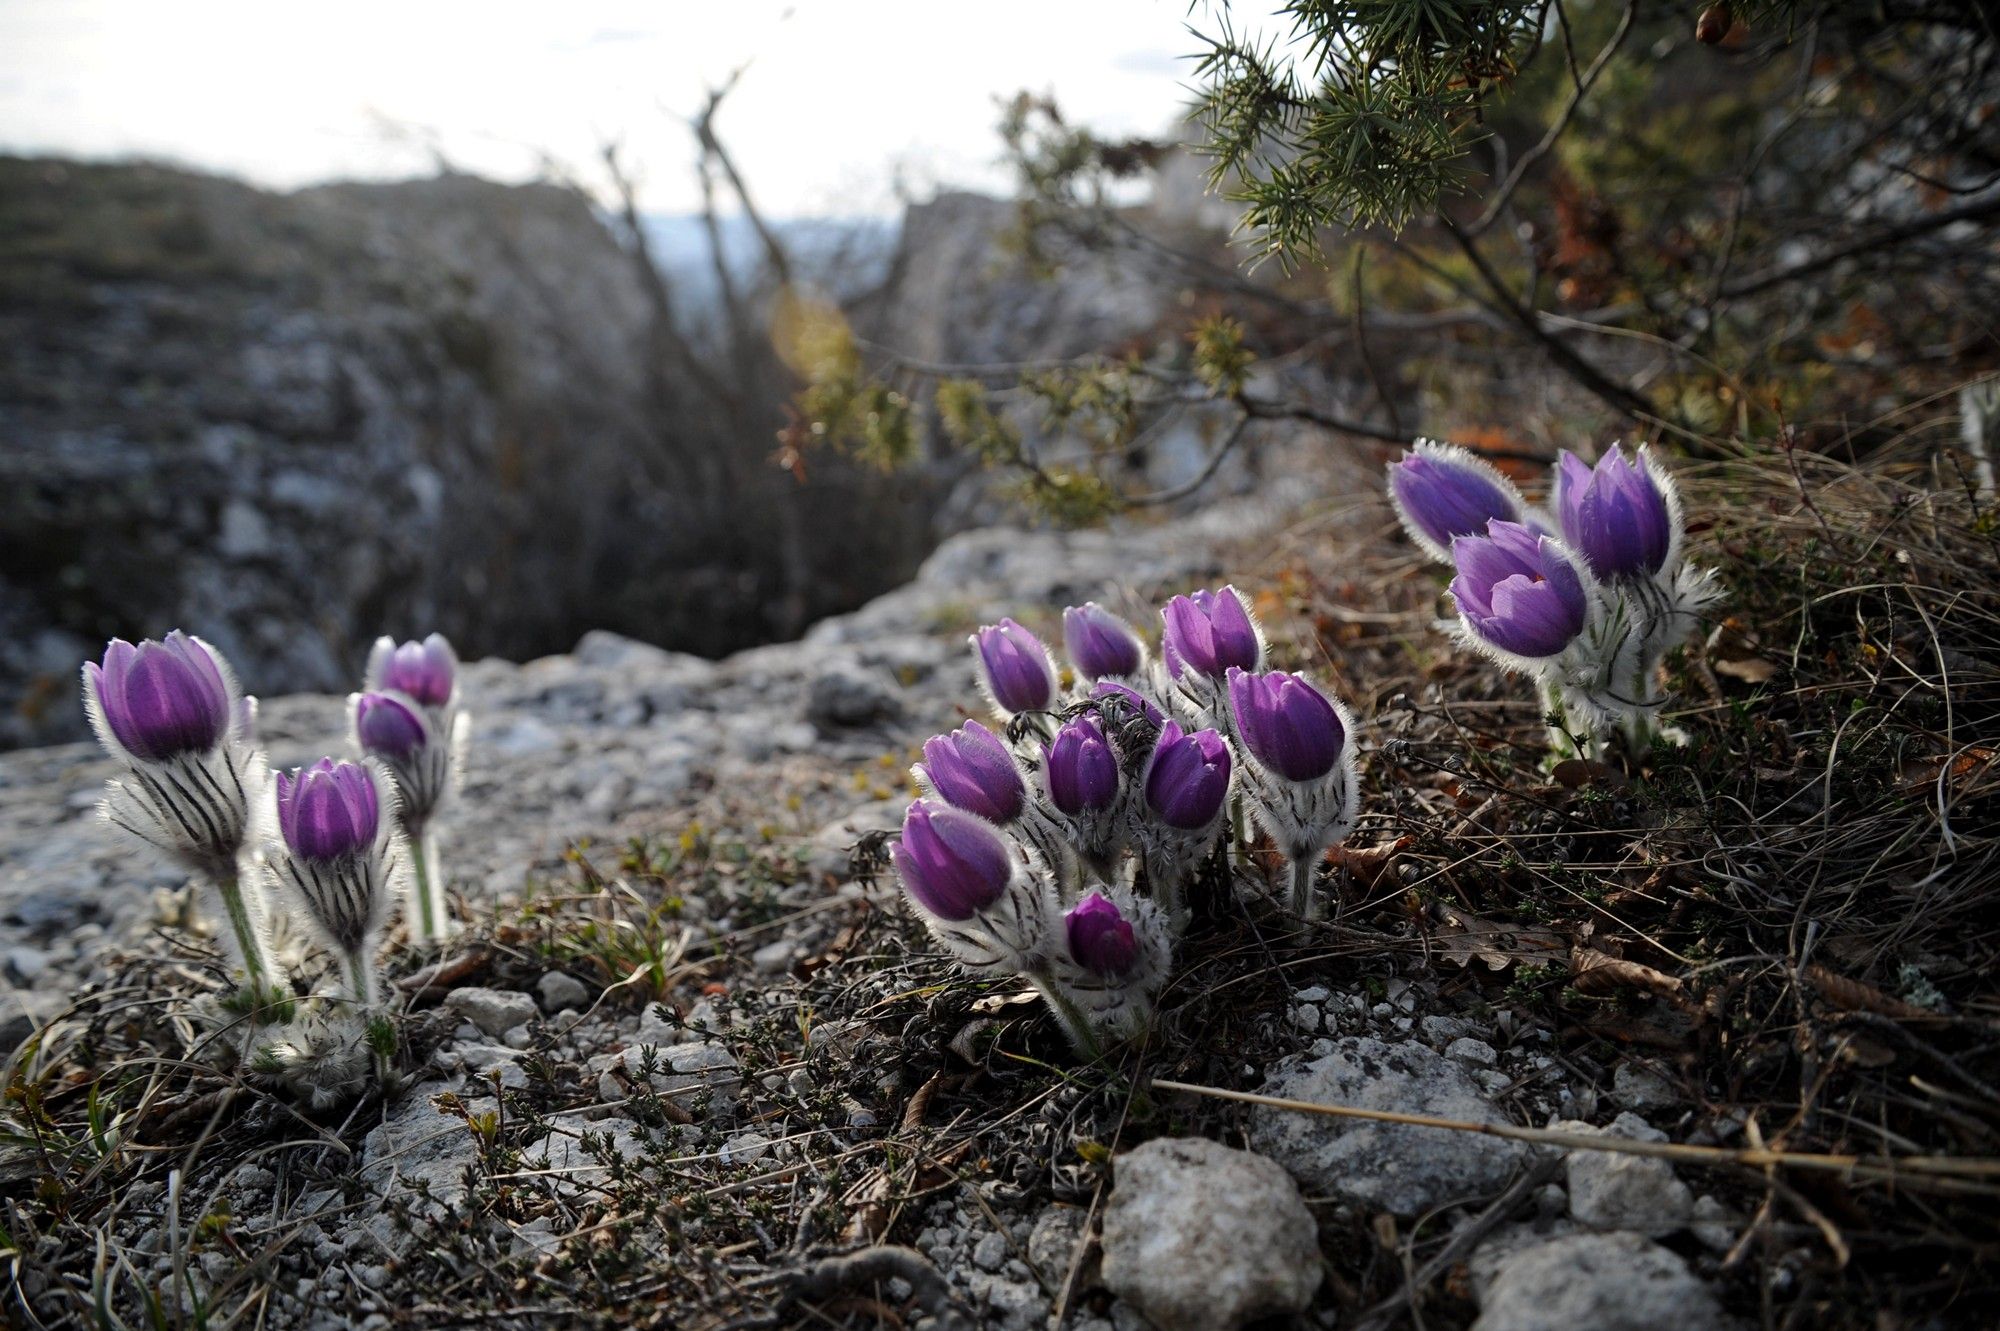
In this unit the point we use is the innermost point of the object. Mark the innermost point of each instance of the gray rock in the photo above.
(1603, 1282)
(576, 1168)
(1714, 1224)
(844, 696)
(1052, 1244)
(1642, 1088)
(684, 1072)
(1203, 1237)
(990, 1253)
(558, 990)
(493, 1011)
(1472, 1053)
(417, 1143)
(1612, 1191)
(1395, 1167)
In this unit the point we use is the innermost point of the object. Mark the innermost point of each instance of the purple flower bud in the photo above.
(1081, 769)
(161, 699)
(1615, 516)
(1100, 937)
(387, 727)
(1106, 689)
(1287, 724)
(1208, 632)
(1016, 667)
(971, 769)
(328, 810)
(426, 670)
(1100, 643)
(1442, 491)
(952, 864)
(1188, 777)
(1518, 591)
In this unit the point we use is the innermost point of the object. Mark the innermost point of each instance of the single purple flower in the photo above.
(1208, 632)
(426, 670)
(1188, 777)
(1100, 643)
(1100, 937)
(161, 699)
(1105, 690)
(1080, 768)
(1016, 666)
(329, 810)
(1518, 591)
(1287, 724)
(971, 769)
(1442, 491)
(952, 864)
(387, 727)
(1616, 516)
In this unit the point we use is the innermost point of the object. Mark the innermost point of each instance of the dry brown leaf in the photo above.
(1465, 937)
(1575, 772)
(1859, 996)
(1749, 669)
(1601, 973)
(1920, 777)
(1368, 863)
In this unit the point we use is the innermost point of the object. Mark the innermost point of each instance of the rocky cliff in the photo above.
(296, 420)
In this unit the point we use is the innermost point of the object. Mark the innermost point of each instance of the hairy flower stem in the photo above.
(430, 915)
(1068, 1016)
(361, 976)
(1305, 902)
(230, 888)
(1239, 822)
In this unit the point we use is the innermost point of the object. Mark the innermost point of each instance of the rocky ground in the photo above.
(687, 1066)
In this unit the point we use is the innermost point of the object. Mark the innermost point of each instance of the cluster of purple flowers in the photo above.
(321, 841)
(1585, 596)
(1059, 847)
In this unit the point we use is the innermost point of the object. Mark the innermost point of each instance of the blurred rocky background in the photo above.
(290, 421)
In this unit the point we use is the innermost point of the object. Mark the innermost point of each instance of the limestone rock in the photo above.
(493, 1011)
(1201, 1237)
(1637, 1192)
(1603, 1282)
(1392, 1167)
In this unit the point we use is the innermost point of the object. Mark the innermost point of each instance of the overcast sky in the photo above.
(844, 99)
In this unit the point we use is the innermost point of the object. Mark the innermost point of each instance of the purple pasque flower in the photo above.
(328, 811)
(971, 769)
(1616, 515)
(1019, 674)
(953, 864)
(387, 727)
(1099, 643)
(427, 671)
(1289, 726)
(1208, 632)
(1188, 777)
(1100, 938)
(1442, 491)
(1519, 591)
(160, 699)
(1080, 769)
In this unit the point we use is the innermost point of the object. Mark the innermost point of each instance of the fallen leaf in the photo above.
(1368, 863)
(1859, 996)
(1465, 937)
(1749, 669)
(1601, 973)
